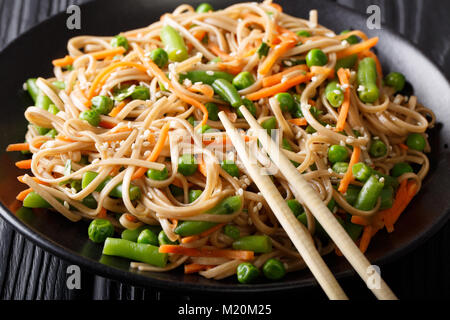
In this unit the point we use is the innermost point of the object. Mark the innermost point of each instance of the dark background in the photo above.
(28, 272)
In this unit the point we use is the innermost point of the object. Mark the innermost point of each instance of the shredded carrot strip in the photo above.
(403, 146)
(298, 121)
(233, 67)
(372, 55)
(64, 138)
(203, 234)
(276, 78)
(63, 61)
(177, 182)
(22, 195)
(281, 87)
(106, 124)
(195, 267)
(365, 238)
(130, 218)
(18, 147)
(24, 164)
(405, 194)
(360, 221)
(344, 79)
(155, 152)
(202, 88)
(328, 72)
(276, 6)
(82, 97)
(115, 111)
(348, 177)
(275, 53)
(20, 178)
(202, 166)
(207, 252)
(102, 213)
(120, 129)
(107, 53)
(221, 54)
(357, 48)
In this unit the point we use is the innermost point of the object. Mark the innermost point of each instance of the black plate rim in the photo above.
(135, 278)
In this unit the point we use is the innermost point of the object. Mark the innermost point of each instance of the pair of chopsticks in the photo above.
(298, 234)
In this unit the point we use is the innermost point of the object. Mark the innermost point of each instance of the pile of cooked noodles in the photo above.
(126, 138)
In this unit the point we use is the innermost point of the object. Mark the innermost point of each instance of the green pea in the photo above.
(158, 175)
(340, 167)
(377, 148)
(230, 167)
(232, 231)
(274, 269)
(286, 101)
(34, 200)
(204, 7)
(401, 168)
(160, 57)
(149, 237)
(102, 104)
(334, 94)
(337, 153)
(76, 184)
(303, 33)
(140, 93)
(295, 206)
(91, 116)
(416, 141)
(243, 80)
(194, 195)
(250, 107)
(132, 234)
(269, 124)
(120, 41)
(352, 39)
(361, 171)
(395, 80)
(213, 111)
(134, 192)
(316, 57)
(247, 272)
(187, 165)
(163, 239)
(100, 229)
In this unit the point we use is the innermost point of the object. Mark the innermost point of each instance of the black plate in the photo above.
(30, 56)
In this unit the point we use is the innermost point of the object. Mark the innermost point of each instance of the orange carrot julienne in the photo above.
(102, 213)
(276, 78)
(202, 88)
(403, 146)
(365, 238)
(233, 67)
(275, 53)
(276, 6)
(23, 194)
(344, 79)
(115, 111)
(298, 121)
(24, 164)
(207, 252)
(62, 62)
(18, 147)
(218, 52)
(360, 221)
(405, 194)
(106, 124)
(195, 267)
(357, 48)
(155, 152)
(20, 178)
(203, 234)
(281, 87)
(64, 138)
(201, 166)
(328, 72)
(348, 177)
(107, 53)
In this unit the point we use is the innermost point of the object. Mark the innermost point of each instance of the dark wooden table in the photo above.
(28, 272)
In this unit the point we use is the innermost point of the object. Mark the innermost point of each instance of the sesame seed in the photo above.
(210, 73)
(240, 192)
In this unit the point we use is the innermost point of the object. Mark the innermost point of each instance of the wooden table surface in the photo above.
(28, 272)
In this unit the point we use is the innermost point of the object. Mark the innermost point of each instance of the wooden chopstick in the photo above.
(297, 232)
(304, 191)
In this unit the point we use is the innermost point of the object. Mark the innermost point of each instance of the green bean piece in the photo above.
(160, 57)
(229, 205)
(42, 101)
(361, 171)
(250, 107)
(416, 141)
(191, 120)
(367, 80)
(203, 129)
(230, 167)
(34, 200)
(99, 230)
(206, 77)
(346, 62)
(32, 88)
(140, 93)
(204, 7)
(247, 272)
(149, 237)
(87, 178)
(295, 206)
(263, 50)
(352, 194)
(316, 57)
(395, 80)
(269, 124)
(158, 175)
(41, 131)
(53, 109)
(353, 230)
(257, 244)
(286, 101)
(90, 202)
(176, 191)
(352, 39)
(340, 167)
(120, 41)
(369, 194)
(132, 234)
(337, 153)
(102, 104)
(187, 165)
(52, 133)
(227, 92)
(334, 94)
(76, 185)
(134, 192)
(274, 269)
(194, 194)
(303, 33)
(135, 251)
(232, 231)
(163, 239)
(91, 116)
(243, 80)
(401, 168)
(213, 111)
(377, 148)
(387, 197)
(59, 84)
(174, 44)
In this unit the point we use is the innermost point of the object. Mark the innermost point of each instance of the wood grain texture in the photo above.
(28, 272)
